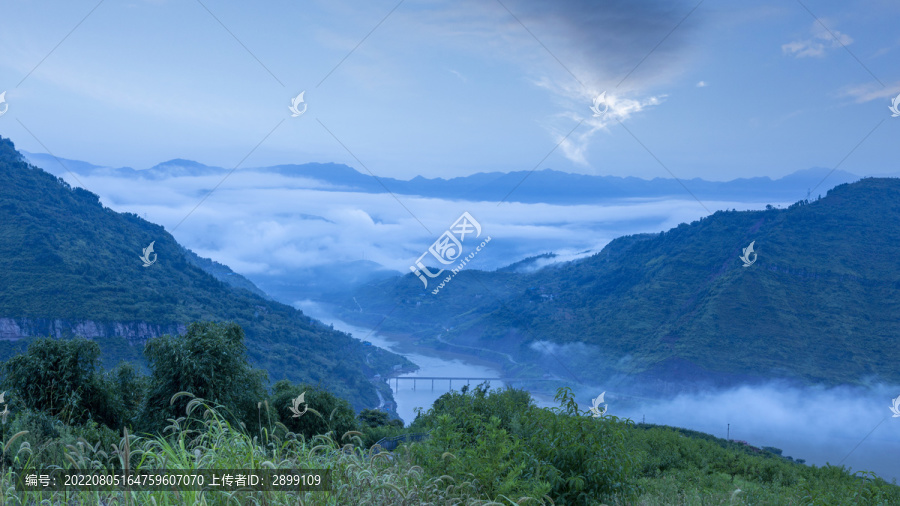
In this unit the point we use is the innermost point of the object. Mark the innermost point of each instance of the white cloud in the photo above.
(457, 74)
(265, 223)
(822, 39)
(575, 146)
(813, 423)
(871, 91)
(575, 50)
(701, 84)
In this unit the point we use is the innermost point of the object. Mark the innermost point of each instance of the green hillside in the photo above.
(64, 259)
(820, 304)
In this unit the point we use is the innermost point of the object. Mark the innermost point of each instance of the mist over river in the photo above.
(849, 426)
(407, 394)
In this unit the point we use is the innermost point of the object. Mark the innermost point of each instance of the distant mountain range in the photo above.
(542, 186)
(819, 304)
(70, 266)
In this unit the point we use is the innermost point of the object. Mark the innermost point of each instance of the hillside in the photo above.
(70, 266)
(820, 304)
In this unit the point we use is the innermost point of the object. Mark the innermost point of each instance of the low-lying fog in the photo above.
(849, 426)
(852, 426)
(270, 225)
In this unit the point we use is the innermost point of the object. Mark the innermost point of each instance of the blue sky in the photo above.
(711, 89)
(444, 89)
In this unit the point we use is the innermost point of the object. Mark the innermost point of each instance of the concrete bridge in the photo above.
(450, 379)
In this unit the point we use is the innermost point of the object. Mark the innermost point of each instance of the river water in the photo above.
(804, 423)
(410, 395)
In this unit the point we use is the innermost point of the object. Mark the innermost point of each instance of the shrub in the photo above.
(63, 378)
(325, 411)
(209, 361)
(512, 448)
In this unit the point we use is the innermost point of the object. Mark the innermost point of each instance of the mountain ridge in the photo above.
(541, 186)
(818, 304)
(65, 257)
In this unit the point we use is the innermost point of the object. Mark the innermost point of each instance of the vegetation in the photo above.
(509, 447)
(201, 400)
(69, 264)
(485, 447)
(823, 287)
(64, 380)
(210, 362)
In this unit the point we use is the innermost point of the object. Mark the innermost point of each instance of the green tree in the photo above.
(376, 418)
(62, 378)
(325, 411)
(210, 362)
(129, 388)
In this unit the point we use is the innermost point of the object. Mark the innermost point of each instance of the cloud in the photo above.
(822, 39)
(577, 49)
(603, 46)
(701, 84)
(869, 92)
(574, 145)
(271, 224)
(817, 424)
(457, 74)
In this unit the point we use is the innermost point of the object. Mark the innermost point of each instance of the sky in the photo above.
(709, 89)
(717, 90)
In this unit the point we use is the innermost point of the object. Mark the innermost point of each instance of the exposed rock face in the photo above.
(12, 329)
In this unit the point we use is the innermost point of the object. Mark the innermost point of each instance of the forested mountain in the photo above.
(820, 303)
(546, 185)
(70, 266)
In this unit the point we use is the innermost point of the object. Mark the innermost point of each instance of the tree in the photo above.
(373, 417)
(63, 379)
(324, 411)
(130, 389)
(210, 362)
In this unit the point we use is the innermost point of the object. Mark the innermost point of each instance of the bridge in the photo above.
(450, 379)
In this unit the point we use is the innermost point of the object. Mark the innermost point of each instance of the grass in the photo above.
(517, 449)
(205, 439)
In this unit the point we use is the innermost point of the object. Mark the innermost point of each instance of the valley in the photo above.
(588, 253)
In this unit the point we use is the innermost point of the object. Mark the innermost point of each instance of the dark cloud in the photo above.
(610, 38)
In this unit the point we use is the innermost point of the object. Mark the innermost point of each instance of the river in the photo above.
(408, 394)
(804, 422)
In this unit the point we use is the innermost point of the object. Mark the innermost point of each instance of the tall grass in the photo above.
(205, 438)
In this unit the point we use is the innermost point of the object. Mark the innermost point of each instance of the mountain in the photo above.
(223, 273)
(316, 283)
(820, 304)
(69, 266)
(542, 186)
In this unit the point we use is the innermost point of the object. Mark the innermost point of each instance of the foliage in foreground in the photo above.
(205, 439)
(485, 448)
(484, 445)
(510, 446)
